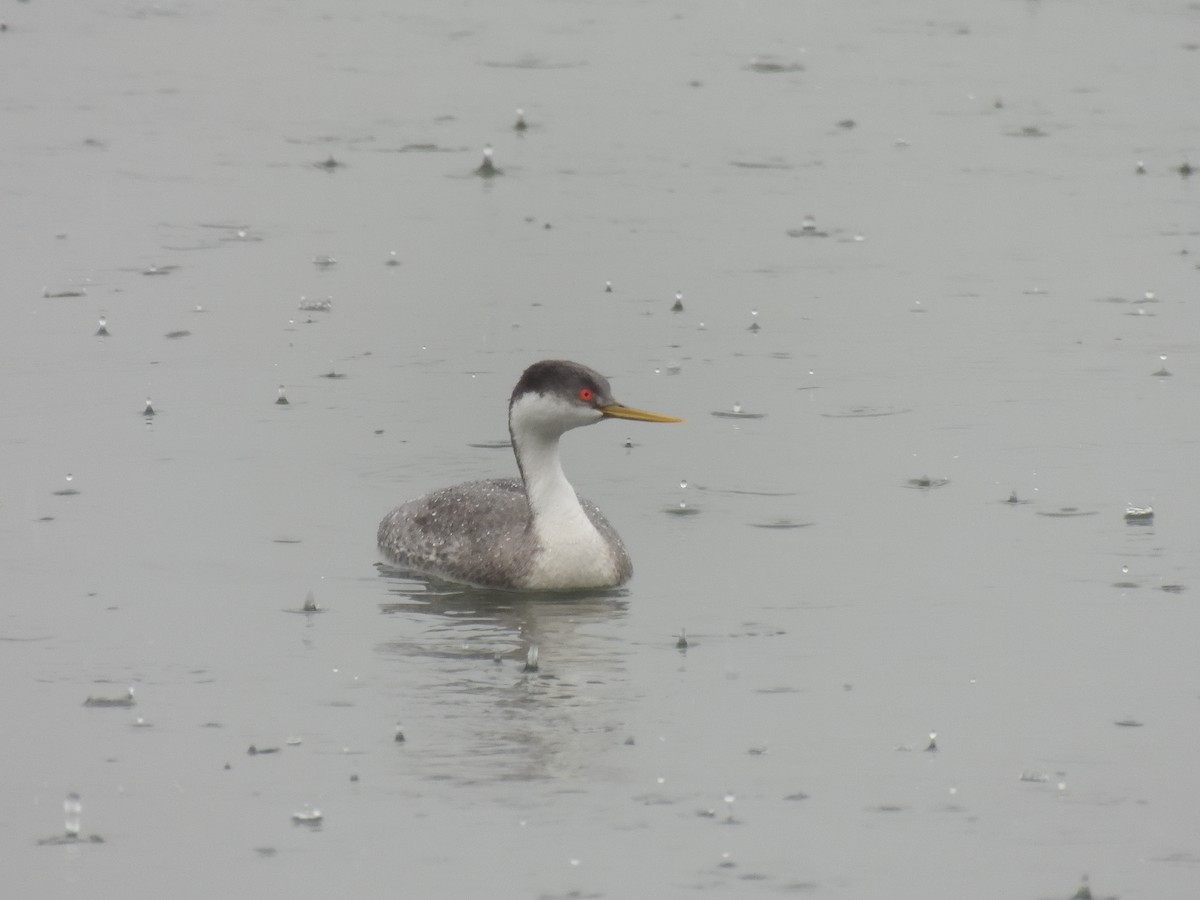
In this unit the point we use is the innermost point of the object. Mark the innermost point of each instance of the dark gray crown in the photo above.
(560, 376)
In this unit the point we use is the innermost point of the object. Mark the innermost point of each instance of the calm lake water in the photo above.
(940, 258)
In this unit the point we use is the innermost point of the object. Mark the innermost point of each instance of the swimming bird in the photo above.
(534, 533)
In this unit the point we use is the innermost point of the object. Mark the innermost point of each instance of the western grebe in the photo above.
(535, 533)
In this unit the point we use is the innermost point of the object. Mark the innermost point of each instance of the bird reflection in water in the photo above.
(475, 710)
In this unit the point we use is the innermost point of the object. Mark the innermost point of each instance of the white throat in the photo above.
(571, 551)
(536, 422)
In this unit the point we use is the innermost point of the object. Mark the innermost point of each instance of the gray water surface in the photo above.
(974, 310)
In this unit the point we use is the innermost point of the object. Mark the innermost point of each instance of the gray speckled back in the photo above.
(477, 533)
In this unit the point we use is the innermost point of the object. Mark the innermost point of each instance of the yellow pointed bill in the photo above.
(617, 411)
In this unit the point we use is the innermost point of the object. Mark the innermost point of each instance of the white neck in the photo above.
(570, 551)
(552, 501)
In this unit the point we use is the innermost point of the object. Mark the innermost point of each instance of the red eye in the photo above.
(586, 395)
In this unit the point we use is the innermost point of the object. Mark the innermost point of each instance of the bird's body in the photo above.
(535, 533)
(482, 533)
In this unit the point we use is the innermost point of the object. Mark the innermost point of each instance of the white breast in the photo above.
(572, 555)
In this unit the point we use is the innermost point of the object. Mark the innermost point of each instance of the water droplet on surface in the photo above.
(608, 287)
(520, 124)
(682, 509)
(1139, 515)
(282, 399)
(677, 306)
(531, 659)
(148, 411)
(122, 702)
(309, 815)
(325, 305)
(69, 490)
(487, 168)
(102, 331)
(393, 259)
(1124, 570)
(72, 810)
(729, 819)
